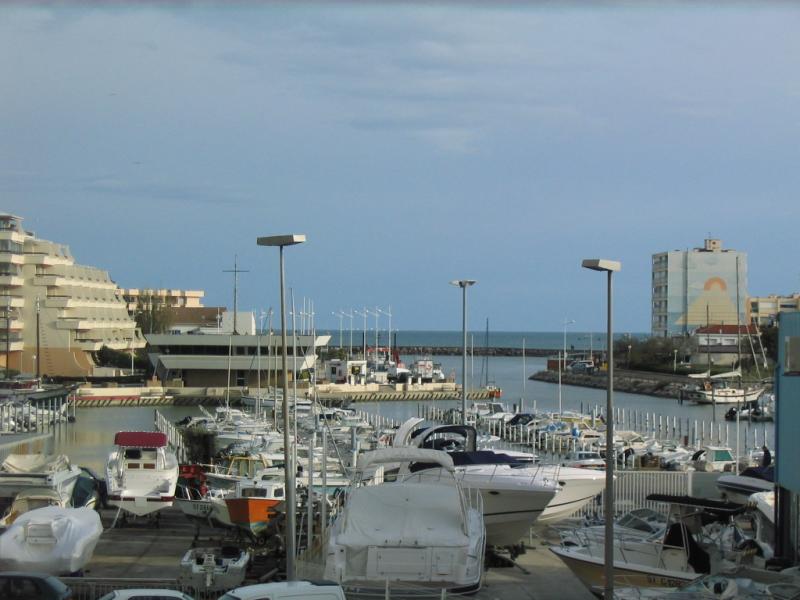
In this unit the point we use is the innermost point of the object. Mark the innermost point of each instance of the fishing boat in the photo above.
(141, 472)
(255, 504)
(20, 472)
(407, 532)
(207, 570)
(52, 540)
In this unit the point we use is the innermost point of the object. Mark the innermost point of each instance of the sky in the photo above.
(412, 143)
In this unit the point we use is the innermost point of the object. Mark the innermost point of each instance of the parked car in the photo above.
(146, 594)
(288, 590)
(15, 585)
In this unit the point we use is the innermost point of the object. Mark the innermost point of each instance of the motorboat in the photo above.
(407, 532)
(255, 504)
(141, 472)
(716, 459)
(699, 538)
(206, 570)
(584, 459)
(514, 493)
(25, 471)
(739, 488)
(52, 540)
(31, 499)
(192, 502)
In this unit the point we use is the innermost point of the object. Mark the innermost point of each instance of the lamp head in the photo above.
(462, 283)
(282, 240)
(601, 264)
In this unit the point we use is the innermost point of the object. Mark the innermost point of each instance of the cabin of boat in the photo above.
(255, 504)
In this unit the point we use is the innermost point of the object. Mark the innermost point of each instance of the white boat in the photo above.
(717, 459)
(719, 389)
(207, 570)
(52, 540)
(739, 488)
(26, 471)
(31, 499)
(407, 532)
(142, 472)
(683, 552)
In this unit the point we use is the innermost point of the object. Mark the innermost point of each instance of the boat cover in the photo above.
(141, 439)
(418, 515)
(34, 463)
(52, 540)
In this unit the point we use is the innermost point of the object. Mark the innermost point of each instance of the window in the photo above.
(792, 356)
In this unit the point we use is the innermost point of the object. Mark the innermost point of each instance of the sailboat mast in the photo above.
(487, 352)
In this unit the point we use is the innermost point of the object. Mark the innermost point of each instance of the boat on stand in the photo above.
(141, 472)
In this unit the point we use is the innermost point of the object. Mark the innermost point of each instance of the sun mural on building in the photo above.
(714, 304)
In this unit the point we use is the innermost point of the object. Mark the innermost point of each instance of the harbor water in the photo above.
(89, 440)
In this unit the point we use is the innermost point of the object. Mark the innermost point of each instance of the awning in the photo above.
(141, 439)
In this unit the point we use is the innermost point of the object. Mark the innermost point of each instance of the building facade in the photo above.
(66, 310)
(205, 360)
(787, 400)
(692, 288)
(764, 310)
(146, 298)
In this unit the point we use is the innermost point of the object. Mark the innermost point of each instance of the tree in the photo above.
(769, 337)
(153, 315)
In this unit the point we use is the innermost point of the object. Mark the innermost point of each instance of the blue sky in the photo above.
(412, 143)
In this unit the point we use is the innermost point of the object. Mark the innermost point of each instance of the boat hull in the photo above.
(579, 487)
(725, 396)
(253, 515)
(591, 571)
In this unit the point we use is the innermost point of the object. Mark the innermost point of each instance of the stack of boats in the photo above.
(50, 524)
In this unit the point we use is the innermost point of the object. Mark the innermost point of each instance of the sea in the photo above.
(89, 440)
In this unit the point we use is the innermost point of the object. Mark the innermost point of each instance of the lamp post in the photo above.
(364, 313)
(609, 266)
(463, 284)
(288, 467)
(350, 347)
(388, 313)
(339, 314)
(674, 360)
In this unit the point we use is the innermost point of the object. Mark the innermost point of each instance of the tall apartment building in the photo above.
(764, 310)
(693, 287)
(71, 310)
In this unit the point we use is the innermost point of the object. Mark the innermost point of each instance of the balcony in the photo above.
(12, 258)
(12, 280)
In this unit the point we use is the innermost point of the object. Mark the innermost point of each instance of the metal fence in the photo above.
(92, 588)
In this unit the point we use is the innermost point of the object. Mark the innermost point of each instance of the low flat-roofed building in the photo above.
(203, 360)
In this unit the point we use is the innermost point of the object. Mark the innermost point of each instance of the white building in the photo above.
(78, 307)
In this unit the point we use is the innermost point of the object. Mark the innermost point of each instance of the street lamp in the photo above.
(674, 360)
(609, 266)
(339, 314)
(463, 284)
(288, 467)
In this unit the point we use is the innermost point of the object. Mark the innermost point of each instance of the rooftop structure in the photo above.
(691, 288)
(146, 298)
(78, 307)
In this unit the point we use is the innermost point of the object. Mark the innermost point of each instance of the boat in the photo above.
(739, 488)
(207, 570)
(28, 500)
(717, 459)
(255, 504)
(25, 471)
(514, 493)
(699, 538)
(52, 540)
(141, 472)
(719, 389)
(407, 532)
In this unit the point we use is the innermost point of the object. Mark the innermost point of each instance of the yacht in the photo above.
(407, 532)
(141, 472)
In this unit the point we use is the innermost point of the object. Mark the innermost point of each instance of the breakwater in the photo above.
(635, 382)
(476, 351)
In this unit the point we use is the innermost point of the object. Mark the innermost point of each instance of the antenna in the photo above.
(236, 270)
